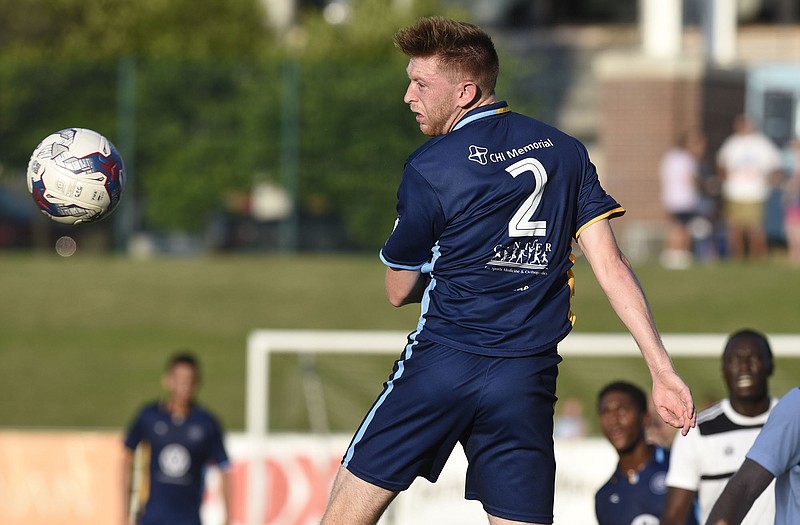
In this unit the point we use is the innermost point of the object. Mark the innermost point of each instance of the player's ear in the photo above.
(468, 94)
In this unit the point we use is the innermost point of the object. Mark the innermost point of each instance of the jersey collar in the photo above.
(482, 112)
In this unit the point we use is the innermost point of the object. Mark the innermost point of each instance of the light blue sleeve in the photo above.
(777, 447)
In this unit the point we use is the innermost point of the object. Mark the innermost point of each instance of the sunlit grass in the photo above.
(84, 338)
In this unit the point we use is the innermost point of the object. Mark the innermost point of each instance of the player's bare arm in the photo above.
(127, 479)
(227, 495)
(740, 493)
(677, 506)
(671, 396)
(405, 286)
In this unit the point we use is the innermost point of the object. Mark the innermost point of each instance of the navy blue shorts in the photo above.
(499, 409)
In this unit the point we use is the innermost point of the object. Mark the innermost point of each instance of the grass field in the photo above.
(84, 338)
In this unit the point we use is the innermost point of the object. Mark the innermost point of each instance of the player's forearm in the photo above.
(405, 286)
(630, 304)
(227, 496)
(616, 278)
(740, 493)
(127, 480)
(678, 504)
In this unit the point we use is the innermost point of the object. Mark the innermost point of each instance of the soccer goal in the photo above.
(262, 343)
(307, 345)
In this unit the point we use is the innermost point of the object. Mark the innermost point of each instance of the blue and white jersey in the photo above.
(777, 449)
(490, 211)
(179, 452)
(638, 500)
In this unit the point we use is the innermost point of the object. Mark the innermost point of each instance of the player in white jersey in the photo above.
(775, 455)
(703, 462)
(746, 161)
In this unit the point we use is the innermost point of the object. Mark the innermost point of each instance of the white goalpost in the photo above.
(262, 343)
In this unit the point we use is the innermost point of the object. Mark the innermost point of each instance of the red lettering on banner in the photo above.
(319, 479)
(298, 486)
(278, 497)
(238, 481)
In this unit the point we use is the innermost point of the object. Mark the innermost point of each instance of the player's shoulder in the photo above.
(714, 419)
(150, 408)
(721, 418)
(711, 412)
(792, 396)
(609, 487)
(532, 129)
(201, 413)
(146, 414)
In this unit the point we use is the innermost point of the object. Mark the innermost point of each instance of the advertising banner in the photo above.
(73, 478)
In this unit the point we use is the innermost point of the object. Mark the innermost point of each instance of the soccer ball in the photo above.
(76, 175)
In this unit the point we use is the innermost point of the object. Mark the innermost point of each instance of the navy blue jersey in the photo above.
(638, 500)
(179, 453)
(490, 211)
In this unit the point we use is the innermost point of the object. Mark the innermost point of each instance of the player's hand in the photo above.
(673, 401)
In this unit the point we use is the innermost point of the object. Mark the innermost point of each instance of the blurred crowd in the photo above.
(738, 202)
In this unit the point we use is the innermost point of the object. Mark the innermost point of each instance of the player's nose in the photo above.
(408, 98)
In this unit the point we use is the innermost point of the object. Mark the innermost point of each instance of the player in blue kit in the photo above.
(634, 495)
(487, 211)
(180, 439)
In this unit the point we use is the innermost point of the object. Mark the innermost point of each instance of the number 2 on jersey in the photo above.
(521, 224)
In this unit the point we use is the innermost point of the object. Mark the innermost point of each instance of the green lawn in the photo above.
(84, 338)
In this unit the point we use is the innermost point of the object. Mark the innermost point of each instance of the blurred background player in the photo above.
(178, 439)
(774, 455)
(635, 493)
(703, 462)
(679, 173)
(746, 162)
(569, 421)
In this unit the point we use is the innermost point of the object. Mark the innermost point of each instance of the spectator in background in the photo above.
(703, 462)
(679, 173)
(180, 438)
(745, 162)
(635, 493)
(774, 455)
(569, 420)
(791, 204)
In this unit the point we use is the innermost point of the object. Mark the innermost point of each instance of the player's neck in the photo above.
(483, 101)
(178, 408)
(633, 461)
(750, 407)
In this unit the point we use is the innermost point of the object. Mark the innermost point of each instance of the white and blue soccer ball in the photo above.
(75, 176)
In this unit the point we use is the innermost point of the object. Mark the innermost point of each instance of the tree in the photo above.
(208, 100)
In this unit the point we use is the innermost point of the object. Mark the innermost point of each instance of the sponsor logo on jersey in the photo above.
(539, 144)
(478, 154)
(645, 519)
(174, 461)
(481, 155)
(658, 483)
(518, 256)
(195, 433)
